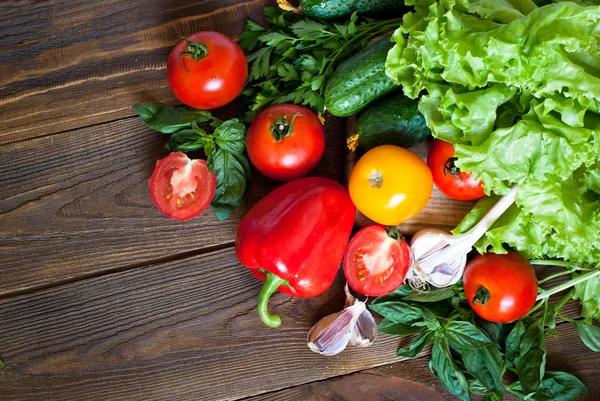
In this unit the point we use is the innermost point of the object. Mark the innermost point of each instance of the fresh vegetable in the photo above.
(500, 288)
(294, 239)
(514, 89)
(207, 70)
(394, 120)
(285, 141)
(390, 185)
(448, 177)
(377, 260)
(336, 9)
(360, 80)
(292, 61)
(182, 188)
(441, 258)
(224, 148)
(471, 355)
(353, 325)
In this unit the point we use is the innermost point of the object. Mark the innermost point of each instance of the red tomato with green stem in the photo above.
(377, 260)
(207, 70)
(285, 141)
(500, 288)
(448, 177)
(182, 188)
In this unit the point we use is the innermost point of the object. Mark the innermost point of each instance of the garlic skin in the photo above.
(354, 325)
(439, 258)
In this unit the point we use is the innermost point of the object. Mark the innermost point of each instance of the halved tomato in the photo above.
(180, 187)
(377, 260)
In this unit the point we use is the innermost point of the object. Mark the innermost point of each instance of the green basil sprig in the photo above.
(224, 148)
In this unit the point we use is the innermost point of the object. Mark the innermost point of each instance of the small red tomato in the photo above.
(377, 260)
(447, 177)
(500, 288)
(285, 142)
(182, 188)
(207, 70)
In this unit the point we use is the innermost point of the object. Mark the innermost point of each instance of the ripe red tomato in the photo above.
(285, 141)
(207, 70)
(182, 188)
(500, 288)
(447, 177)
(376, 262)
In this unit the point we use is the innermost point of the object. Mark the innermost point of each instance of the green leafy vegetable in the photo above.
(590, 335)
(292, 60)
(443, 367)
(224, 148)
(466, 335)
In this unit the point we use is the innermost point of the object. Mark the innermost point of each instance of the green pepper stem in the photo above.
(272, 282)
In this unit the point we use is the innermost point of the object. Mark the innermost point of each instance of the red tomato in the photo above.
(182, 188)
(207, 70)
(447, 177)
(285, 141)
(500, 288)
(376, 262)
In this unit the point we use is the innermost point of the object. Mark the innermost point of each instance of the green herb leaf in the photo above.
(231, 136)
(485, 364)
(443, 367)
(249, 38)
(497, 332)
(389, 326)
(590, 335)
(187, 140)
(1, 362)
(476, 387)
(287, 72)
(466, 335)
(419, 342)
(588, 293)
(556, 386)
(260, 62)
(491, 396)
(435, 295)
(531, 361)
(513, 343)
(170, 119)
(430, 320)
(399, 312)
(398, 294)
(233, 181)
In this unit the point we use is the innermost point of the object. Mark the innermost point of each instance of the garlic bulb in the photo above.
(354, 325)
(440, 258)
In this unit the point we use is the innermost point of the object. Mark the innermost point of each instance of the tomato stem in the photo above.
(482, 296)
(196, 49)
(451, 168)
(272, 282)
(281, 127)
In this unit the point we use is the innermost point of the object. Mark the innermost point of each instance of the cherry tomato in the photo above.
(182, 188)
(500, 288)
(390, 185)
(207, 70)
(285, 142)
(447, 177)
(376, 260)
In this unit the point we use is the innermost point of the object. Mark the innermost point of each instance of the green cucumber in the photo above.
(335, 9)
(394, 120)
(359, 80)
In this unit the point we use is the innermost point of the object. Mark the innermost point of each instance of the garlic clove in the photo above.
(429, 240)
(364, 331)
(349, 297)
(330, 335)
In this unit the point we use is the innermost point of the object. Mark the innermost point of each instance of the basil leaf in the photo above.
(590, 335)
(513, 343)
(497, 332)
(233, 181)
(399, 312)
(431, 296)
(397, 295)
(430, 320)
(170, 119)
(491, 396)
(443, 367)
(187, 140)
(419, 342)
(532, 359)
(550, 318)
(556, 386)
(231, 136)
(476, 387)
(485, 364)
(390, 326)
(466, 335)
(588, 294)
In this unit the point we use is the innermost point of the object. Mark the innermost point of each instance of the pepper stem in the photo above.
(272, 282)
(482, 296)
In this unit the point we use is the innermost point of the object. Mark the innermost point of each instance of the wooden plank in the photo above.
(412, 380)
(68, 64)
(77, 203)
(183, 330)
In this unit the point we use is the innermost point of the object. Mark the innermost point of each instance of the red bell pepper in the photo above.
(294, 239)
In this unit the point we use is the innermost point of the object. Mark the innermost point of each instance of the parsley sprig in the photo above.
(291, 61)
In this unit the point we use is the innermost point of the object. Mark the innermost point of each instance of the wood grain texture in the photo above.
(77, 203)
(411, 380)
(67, 64)
(184, 330)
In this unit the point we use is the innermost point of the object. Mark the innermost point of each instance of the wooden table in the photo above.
(102, 297)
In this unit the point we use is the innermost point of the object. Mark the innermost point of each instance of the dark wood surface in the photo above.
(101, 297)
